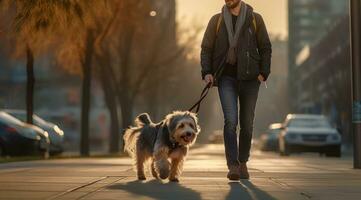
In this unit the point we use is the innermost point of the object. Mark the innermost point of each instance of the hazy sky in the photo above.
(274, 12)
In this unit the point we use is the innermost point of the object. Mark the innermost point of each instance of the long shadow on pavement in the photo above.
(245, 190)
(158, 190)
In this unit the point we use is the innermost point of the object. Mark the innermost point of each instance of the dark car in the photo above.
(269, 140)
(21, 139)
(56, 135)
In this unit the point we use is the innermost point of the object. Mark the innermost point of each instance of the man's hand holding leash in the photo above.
(209, 79)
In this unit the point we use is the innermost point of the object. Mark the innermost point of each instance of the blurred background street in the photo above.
(74, 74)
(310, 68)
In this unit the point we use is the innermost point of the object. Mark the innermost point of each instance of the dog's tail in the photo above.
(132, 133)
(143, 119)
(130, 137)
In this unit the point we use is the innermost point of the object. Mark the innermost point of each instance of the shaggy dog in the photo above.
(164, 144)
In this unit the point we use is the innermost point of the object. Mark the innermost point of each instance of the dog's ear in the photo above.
(195, 119)
(171, 121)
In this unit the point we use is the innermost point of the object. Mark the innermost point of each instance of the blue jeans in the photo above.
(230, 91)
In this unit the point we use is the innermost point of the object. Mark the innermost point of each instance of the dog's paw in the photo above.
(173, 179)
(163, 175)
(141, 178)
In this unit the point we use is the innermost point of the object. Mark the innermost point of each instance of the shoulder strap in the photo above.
(220, 18)
(254, 22)
(219, 23)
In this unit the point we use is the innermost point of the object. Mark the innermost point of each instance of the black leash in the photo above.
(203, 95)
(197, 104)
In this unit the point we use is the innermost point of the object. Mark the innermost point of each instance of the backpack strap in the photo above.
(254, 23)
(220, 18)
(219, 23)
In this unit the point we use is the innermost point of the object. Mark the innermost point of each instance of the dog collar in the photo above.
(172, 145)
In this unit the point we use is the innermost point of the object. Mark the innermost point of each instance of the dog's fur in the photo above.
(164, 144)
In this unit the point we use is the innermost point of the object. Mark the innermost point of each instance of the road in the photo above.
(272, 177)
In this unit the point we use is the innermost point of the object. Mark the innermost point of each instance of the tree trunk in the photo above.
(29, 85)
(124, 94)
(126, 105)
(114, 143)
(111, 101)
(86, 86)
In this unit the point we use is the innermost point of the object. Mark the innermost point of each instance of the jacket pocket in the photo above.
(252, 66)
(255, 56)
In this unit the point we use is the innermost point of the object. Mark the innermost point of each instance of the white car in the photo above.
(309, 133)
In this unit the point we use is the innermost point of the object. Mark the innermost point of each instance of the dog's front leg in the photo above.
(161, 162)
(176, 169)
(152, 168)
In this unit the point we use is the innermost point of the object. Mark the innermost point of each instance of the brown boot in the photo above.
(233, 173)
(243, 171)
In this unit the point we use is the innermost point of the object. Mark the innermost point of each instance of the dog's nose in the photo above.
(188, 134)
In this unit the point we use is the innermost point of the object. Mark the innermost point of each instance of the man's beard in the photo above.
(232, 5)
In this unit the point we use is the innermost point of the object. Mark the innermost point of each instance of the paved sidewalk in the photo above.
(272, 177)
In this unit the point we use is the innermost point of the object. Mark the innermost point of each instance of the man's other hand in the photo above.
(260, 78)
(209, 79)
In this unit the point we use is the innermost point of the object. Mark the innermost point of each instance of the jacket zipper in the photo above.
(248, 53)
(247, 63)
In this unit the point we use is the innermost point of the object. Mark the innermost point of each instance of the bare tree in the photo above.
(90, 52)
(35, 20)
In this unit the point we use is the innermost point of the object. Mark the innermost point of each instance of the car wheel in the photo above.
(55, 153)
(45, 154)
(334, 152)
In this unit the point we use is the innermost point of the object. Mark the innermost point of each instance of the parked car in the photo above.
(56, 135)
(309, 133)
(269, 140)
(20, 139)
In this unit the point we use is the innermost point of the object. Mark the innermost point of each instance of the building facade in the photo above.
(323, 80)
(309, 21)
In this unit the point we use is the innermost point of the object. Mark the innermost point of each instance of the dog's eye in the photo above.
(181, 126)
(192, 126)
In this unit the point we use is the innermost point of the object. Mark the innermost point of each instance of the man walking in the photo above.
(236, 56)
